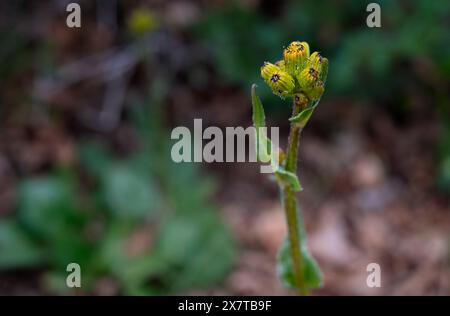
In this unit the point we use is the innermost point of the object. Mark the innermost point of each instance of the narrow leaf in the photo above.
(263, 144)
(259, 118)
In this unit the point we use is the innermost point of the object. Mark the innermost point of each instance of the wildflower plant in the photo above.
(300, 76)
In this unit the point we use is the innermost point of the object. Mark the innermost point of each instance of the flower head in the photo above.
(308, 77)
(310, 83)
(281, 64)
(297, 73)
(280, 81)
(315, 93)
(295, 56)
(315, 61)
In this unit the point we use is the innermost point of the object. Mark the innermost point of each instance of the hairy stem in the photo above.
(290, 201)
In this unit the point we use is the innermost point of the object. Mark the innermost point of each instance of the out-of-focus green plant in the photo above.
(369, 63)
(300, 76)
(13, 49)
(131, 220)
(378, 66)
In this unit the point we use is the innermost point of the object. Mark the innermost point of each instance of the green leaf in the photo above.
(259, 122)
(312, 276)
(48, 211)
(16, 249)
(94, 158)
(302, 118)
(288, 179)
(259, 118)
(129, 193)
(45, 204)
(263, 144)
(178, 239)
(197, 251)
(131, 270)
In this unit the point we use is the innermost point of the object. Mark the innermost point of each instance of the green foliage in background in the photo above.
(13, 49)
(142, 221)
(369, 62)
(408, 57)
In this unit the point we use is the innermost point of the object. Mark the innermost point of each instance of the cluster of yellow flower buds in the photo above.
(280, 81)
(298, 72)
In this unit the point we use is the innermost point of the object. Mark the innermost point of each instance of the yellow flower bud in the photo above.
(310, 83)
(296, 56)
(281, 83)
(308, 77)
(315, 93)
(315, 61)
(281, 64)
(267, 70)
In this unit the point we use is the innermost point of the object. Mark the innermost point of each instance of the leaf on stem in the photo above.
(302, 118)
(264, 150)
(263, 144)
(259, 118)
(311, 274)
(287, 178)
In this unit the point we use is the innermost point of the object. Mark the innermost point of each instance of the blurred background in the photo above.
(85, 169)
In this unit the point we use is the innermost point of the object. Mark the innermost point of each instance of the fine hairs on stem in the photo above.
(300, 76)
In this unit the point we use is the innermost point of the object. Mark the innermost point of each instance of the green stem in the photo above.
(290, 201)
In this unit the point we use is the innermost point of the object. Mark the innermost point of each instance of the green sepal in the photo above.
(324, 72)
